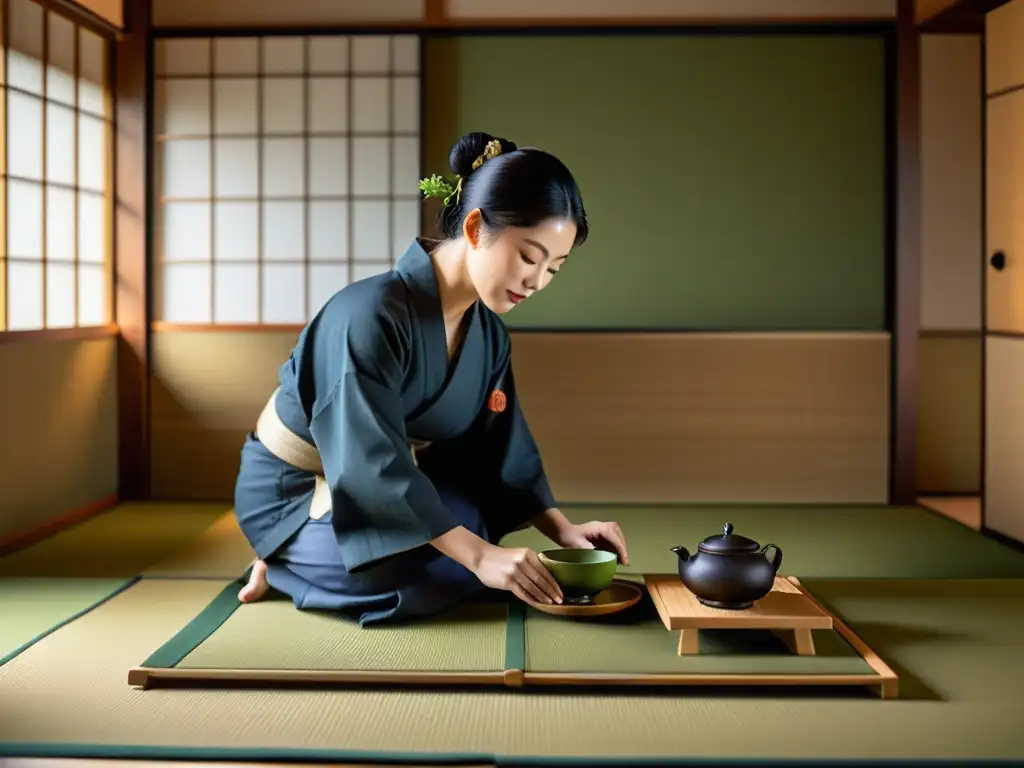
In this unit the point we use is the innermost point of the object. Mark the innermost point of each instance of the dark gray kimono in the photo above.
(368, 375)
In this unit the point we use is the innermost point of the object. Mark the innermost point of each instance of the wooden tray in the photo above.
(620, 596)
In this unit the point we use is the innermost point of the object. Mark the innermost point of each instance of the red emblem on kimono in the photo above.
(496, 402)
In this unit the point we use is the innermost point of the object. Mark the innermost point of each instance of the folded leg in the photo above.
(417, 583)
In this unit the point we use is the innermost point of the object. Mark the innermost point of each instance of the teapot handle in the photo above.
(777, 560)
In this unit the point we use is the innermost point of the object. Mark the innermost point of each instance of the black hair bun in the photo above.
(467, 149)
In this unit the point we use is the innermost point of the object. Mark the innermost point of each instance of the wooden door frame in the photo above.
(904, 301)
(968, 17)
(979, 9)
(132, 239)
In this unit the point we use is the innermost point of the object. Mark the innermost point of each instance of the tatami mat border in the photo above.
(205, 623)
(515, 642)
(126, 584)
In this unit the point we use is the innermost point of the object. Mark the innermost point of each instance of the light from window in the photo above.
(286, 168)
(55, 190)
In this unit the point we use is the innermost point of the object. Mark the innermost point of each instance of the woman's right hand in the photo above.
(519, 571)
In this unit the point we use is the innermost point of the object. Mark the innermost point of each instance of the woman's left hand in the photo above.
(596, 535)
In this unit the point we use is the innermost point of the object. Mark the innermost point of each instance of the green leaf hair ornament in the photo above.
(439, 186)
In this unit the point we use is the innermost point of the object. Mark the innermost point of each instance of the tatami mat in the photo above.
(817, 542)
(121, 542)
(482, 641)
(469, 638)
(203, 541)
(220, 551)
(643, 646)
(959, 640)
(955, 644)
(30, 608)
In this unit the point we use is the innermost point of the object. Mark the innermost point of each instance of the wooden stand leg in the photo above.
(804, 642)
(689, 641)
(889, 689)
(799, 641)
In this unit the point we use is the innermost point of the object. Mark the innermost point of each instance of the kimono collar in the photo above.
(417, 268)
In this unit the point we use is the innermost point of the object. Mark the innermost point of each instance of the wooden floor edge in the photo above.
(147, 676)
(53, 526)
(690, 678)
(888, 678)
(138, 677)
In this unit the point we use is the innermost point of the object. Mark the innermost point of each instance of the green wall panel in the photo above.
(732, 182)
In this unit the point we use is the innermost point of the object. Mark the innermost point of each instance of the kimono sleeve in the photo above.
(524, 485)
(382, 504)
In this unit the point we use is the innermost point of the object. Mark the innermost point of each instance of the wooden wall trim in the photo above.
(434, 12)
(131, 247)
(950, 333)
(159, 326)
(927, 9)
(567, 25)
(958, 17)
(83, 16)
(659, 10)
(906, 298)
(110, 11)
(34, 535)
(58, 334)
(191, 17)
(627, 22)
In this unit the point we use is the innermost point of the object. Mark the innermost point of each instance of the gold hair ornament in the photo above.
(439, 186)
(493, 149)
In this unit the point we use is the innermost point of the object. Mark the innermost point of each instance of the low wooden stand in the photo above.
(786, 610)
(789, 610)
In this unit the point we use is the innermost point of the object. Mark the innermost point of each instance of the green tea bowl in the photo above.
(581, 573)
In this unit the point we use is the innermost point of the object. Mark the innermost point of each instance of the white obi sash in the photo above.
(293, 450)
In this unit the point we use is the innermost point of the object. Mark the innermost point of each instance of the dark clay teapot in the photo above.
(728, 571)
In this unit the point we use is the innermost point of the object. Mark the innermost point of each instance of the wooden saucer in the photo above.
(618, 597)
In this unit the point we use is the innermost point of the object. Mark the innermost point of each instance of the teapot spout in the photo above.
(682, 552)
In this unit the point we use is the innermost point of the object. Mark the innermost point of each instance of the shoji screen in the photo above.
(55, 180)
(286, 168)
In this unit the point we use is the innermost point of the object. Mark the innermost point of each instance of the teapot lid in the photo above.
(728, 542)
